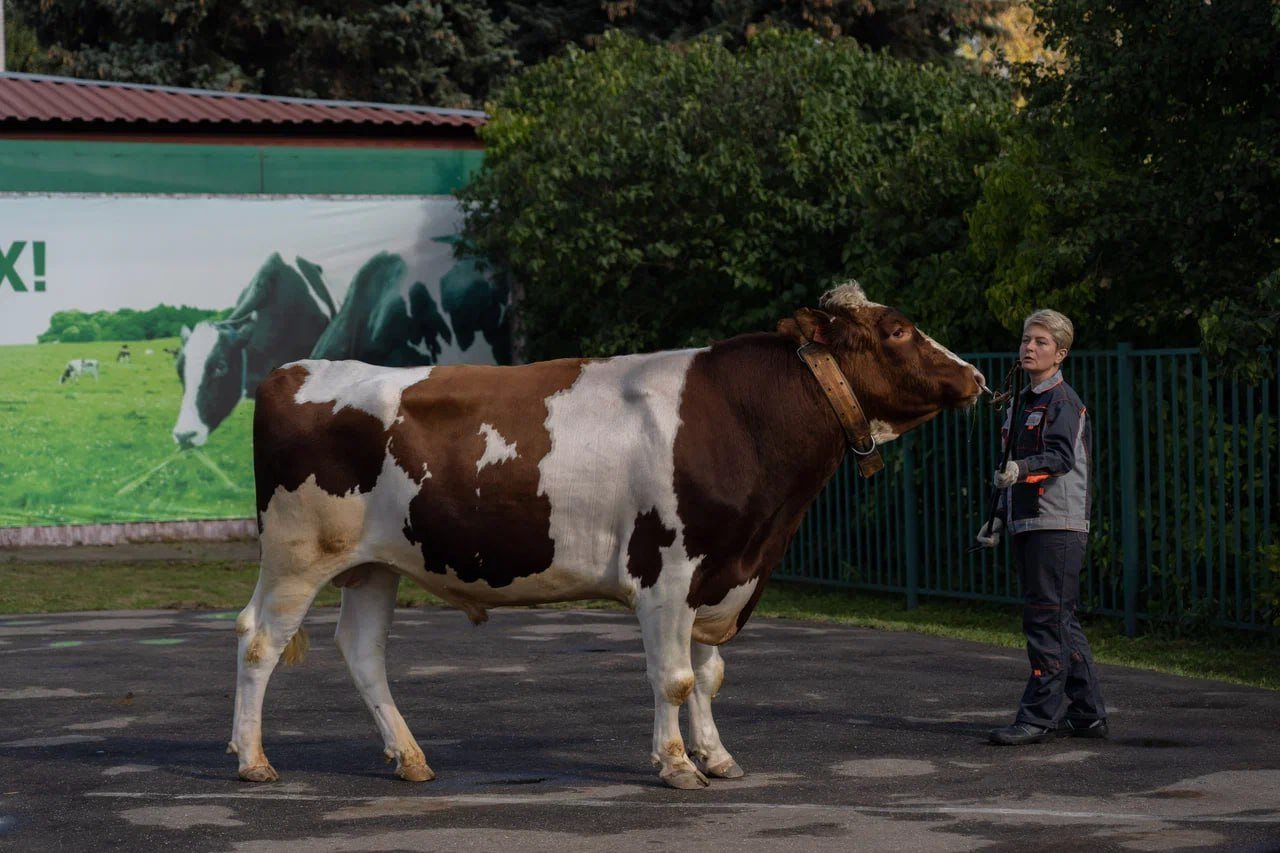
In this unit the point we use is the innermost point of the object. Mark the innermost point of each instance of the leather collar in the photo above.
(857, 430)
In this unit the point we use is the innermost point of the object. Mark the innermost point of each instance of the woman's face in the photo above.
(1039, 354)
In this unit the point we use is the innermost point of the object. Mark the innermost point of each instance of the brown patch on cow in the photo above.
(678, 690)
(489, 525)
(644, 554)
(293, 442)
(747, 464)
(674, 749)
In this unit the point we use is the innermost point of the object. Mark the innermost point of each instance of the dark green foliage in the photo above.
(691, 193)
(444, 54)
(918, 29)
(1142, 193)
(127, 324)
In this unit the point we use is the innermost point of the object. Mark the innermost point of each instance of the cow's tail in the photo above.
(295, 651)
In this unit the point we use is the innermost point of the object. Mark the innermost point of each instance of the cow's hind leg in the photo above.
(363, 626)
(708, 671)
(667, 628)
(270, 625)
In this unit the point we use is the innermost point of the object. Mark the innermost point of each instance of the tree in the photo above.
(126, 324)
(915, 29)
(690, 193)
(443, 54)
(1142, 193)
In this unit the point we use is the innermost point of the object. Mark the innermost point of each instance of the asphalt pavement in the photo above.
(113, 728)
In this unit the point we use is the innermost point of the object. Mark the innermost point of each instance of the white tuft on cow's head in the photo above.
(849, 296)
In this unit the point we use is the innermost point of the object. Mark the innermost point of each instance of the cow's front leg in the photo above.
(666, 627)
(708, 671)
(363, 625)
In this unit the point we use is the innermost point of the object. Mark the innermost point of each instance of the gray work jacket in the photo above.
(1052, 449)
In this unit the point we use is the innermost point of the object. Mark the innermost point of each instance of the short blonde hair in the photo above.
(1056, 322)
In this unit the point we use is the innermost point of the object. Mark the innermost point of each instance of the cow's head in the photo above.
(211, 367)
(902, 377)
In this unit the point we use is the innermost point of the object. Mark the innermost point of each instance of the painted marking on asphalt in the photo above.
(162, 641)
(66, 644)
(43, 693)
(515, 800)
(113, 723)
(129, 768)
(61, 740)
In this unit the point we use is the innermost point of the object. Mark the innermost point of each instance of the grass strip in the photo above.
(32, 587)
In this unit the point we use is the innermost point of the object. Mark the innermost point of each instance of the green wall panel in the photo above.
(389, 171)
(143, 167)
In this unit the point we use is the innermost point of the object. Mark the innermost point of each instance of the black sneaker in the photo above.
(1081, 728)
(1019, 734)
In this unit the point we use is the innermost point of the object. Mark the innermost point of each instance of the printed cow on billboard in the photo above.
(275, 320)
(384, 320)
(387, 321)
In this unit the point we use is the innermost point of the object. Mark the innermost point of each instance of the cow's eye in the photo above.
(899, 333)
(220, 369)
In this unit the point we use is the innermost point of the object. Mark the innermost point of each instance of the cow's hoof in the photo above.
(687, 778)
(415, 773)
(259, 773)
(727, 769)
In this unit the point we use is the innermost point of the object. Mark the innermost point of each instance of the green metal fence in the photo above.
(1185, 526)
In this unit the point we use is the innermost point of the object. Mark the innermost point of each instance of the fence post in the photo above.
(1128, 487)
(910, 522)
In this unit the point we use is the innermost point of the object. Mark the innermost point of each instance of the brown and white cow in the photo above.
(671, 482)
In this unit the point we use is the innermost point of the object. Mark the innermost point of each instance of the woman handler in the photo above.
(1046, 504)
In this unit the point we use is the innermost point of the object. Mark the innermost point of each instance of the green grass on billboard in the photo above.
(97, 451)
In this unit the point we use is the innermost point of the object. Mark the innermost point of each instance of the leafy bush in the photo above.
(690, 193)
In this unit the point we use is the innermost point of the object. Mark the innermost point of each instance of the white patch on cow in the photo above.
(948, 353)
(369, 388)
(882, 431)
(612, 458)
(849, 296)
(195, 352)
(496, 449)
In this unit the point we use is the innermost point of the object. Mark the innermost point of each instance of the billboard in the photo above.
(134, 330)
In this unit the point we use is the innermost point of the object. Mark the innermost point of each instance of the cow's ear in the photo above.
(789, 328)
(184, 333)
(239, 331)
(814, 325)
(240, 324)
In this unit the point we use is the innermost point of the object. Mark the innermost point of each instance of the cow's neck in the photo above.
(799, 442)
